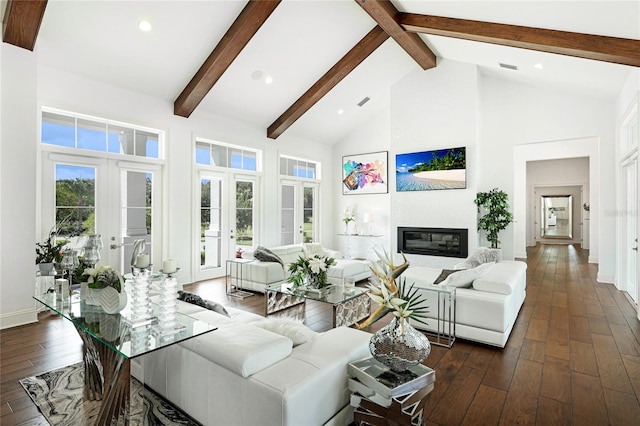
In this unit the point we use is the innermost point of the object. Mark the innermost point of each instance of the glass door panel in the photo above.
(244, 214)
(287, 214)
(210, 223)
(136, 214)
(309, 213)
(75, 200)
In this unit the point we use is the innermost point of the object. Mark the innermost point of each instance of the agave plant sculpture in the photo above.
(392, 293)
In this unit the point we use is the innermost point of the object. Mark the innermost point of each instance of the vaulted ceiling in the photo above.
(323, 56)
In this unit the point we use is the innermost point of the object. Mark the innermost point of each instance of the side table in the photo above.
(382, 397)
(445, 333)
(234, 269)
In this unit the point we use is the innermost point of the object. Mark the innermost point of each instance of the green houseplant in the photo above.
(50, 250)
(497, 216)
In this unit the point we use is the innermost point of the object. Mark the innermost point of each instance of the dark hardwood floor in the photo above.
(573, 356)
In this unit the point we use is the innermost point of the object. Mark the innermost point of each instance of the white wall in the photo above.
(517, 116)
(373, 137)
(436, 109)
(17, 185)
(27, 86)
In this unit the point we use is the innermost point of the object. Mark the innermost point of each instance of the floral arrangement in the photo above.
(314, 267)
(104, 276)
(392, 296)
(348, 215)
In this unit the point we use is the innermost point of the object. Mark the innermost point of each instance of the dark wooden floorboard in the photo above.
(573, 356)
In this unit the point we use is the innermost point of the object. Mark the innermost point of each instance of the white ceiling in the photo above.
(300, 41)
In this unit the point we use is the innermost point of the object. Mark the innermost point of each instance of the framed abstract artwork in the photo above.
(431, 170)
(365, 173)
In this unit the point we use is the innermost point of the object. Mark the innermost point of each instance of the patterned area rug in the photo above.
(58, 395)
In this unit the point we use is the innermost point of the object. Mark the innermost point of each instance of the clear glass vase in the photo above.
(399, 345)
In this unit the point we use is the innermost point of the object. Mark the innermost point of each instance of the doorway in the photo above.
(120, 200)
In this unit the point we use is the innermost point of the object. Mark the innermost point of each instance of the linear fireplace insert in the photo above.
(450, 242)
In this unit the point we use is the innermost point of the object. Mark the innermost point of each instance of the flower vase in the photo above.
(346, 228)
(399, 345)
(112, 301)
(90, 296)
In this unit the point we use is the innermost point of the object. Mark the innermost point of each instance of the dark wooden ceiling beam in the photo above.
(329, 80)
(246, 25)
(385, 14)
(600, 48)
(22, 19)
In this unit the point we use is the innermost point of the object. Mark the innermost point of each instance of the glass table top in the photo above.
(335, 293)
(115, 331)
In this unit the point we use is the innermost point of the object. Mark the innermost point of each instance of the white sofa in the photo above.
(485, 311)
(258, 274)
(242, 374)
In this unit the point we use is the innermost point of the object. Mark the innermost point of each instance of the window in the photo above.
(299, 201)
(93, 134)
(294, 167)
(227, 156)
(75, 199)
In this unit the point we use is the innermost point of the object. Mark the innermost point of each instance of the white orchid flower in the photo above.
(316, 265)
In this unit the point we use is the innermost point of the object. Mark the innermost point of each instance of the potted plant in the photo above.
(497, 217)
(310, 271)
(49, 252)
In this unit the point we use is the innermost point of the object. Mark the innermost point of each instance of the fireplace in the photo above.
(449, 242)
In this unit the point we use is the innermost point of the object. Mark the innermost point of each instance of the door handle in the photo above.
(115, 246)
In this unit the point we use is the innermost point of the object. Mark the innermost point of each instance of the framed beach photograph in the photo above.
(365, 173)
(431, 170)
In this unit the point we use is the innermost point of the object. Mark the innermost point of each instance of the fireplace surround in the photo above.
(448, 242)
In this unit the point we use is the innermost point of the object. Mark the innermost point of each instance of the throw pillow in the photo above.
(199, 301)
(287, 327)
(312, 249)
(444, 275)
(479, 256)
(465, 277)
(265, 255)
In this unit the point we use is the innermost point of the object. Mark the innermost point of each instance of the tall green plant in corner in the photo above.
(497, 217)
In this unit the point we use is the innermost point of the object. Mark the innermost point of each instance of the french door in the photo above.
(226, 220)
(298, 212)
(120, 200)
(631, 273)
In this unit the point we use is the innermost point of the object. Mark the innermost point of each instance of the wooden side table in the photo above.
(382, 397)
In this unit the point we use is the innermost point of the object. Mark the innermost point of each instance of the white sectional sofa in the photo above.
(243, 374)
(258, 274)
(486, 309)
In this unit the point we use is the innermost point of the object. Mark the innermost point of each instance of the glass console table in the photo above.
(109, 344)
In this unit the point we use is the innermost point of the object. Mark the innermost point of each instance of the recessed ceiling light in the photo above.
(144, 26)
(268, 79)
(538, 66)
(340, 111)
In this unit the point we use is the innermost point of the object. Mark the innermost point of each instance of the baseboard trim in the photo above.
(520, 255)
(592, 259)
(605, 279)
(14, 319)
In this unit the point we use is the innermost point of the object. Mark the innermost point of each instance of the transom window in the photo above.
(296, 167)
(218, 154)
(94, 134)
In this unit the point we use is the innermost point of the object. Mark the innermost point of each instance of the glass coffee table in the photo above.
(350, 304)
(109, 344)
